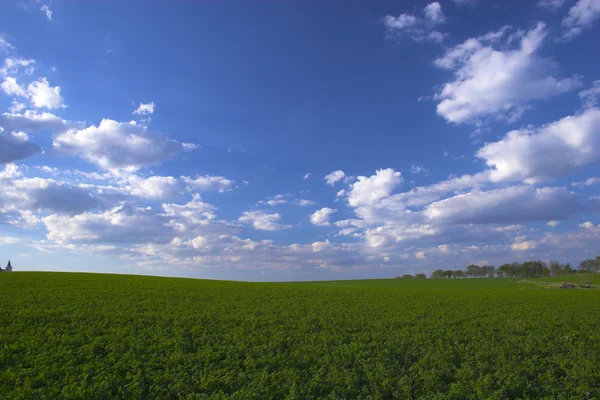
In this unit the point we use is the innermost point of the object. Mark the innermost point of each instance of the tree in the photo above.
(458, 273)
(437, 274)
(555, 268)
(488, 270)
(473, 270)
(420, 276)
(407, 276)
(567, 269)
(590, 265)
(448, 274)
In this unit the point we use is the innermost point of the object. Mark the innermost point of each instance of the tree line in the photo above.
(528, 269)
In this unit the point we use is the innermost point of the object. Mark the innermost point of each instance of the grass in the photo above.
(88, 336)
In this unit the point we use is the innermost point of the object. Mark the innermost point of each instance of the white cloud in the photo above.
(46, 10)
(587, 225)
(16, 107)
(14, 65)
(550, 152)
(433, 12)
(145, 109)
(417, 169)
(580, 17)
(10, 171)
(306, 176)
(263, 221)
(43, 95)
(119, 145)
(587, 182)
(321, 246)
(498, 83)
(321, 217)
(32, 121)
(208, 183)
(465, 2)
(334, 177)
(4, 240)
(509, 205)
(420, 255)
(524, 245)
(305, 202)
(553, 223)
(154, 187)
(591, 97)
(417, 28)
(369, 190)
(12, 88)
(551, 5)
(5, 45)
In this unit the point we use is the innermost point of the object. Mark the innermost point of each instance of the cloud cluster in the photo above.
(116, 145)
(493, 79)
(580, 17)
(418, 28)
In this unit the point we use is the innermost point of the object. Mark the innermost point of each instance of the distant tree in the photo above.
(555, 268)
(503, 270)
(567, 269)
(407, 276)
(420, 276)
(488, 270)
(448, 273)
(473, 270)
(437, 274)
(590, 265)
(458, 274)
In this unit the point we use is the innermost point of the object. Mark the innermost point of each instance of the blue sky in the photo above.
(296, 140)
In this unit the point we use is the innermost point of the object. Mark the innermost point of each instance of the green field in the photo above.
(88, 336)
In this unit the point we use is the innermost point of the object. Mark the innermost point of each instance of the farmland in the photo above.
(88, 336)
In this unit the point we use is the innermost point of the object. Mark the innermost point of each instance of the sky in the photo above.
(297, 140)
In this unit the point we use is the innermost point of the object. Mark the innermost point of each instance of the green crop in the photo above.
(87, 336)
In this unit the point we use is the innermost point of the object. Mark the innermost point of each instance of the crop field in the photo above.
(87, 336)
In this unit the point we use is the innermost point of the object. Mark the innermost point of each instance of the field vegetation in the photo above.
(88, 336)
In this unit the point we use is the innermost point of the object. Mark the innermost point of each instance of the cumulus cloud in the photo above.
(15, 141)
(208, 183)
(369, 190)
(321, 217)
(15, 146)
(334, 177)
(12, 88)
(306, 176)
(418, 28)
(500, 84)
(523, 245)
(553, 223)
(154, 187)
(587, 225)
(32, 121)
(145, 109)
(42, 95)
(10, 171)
(509, 205)
(580, 17)
(263, 221)
(116, 145)
(550, 152)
